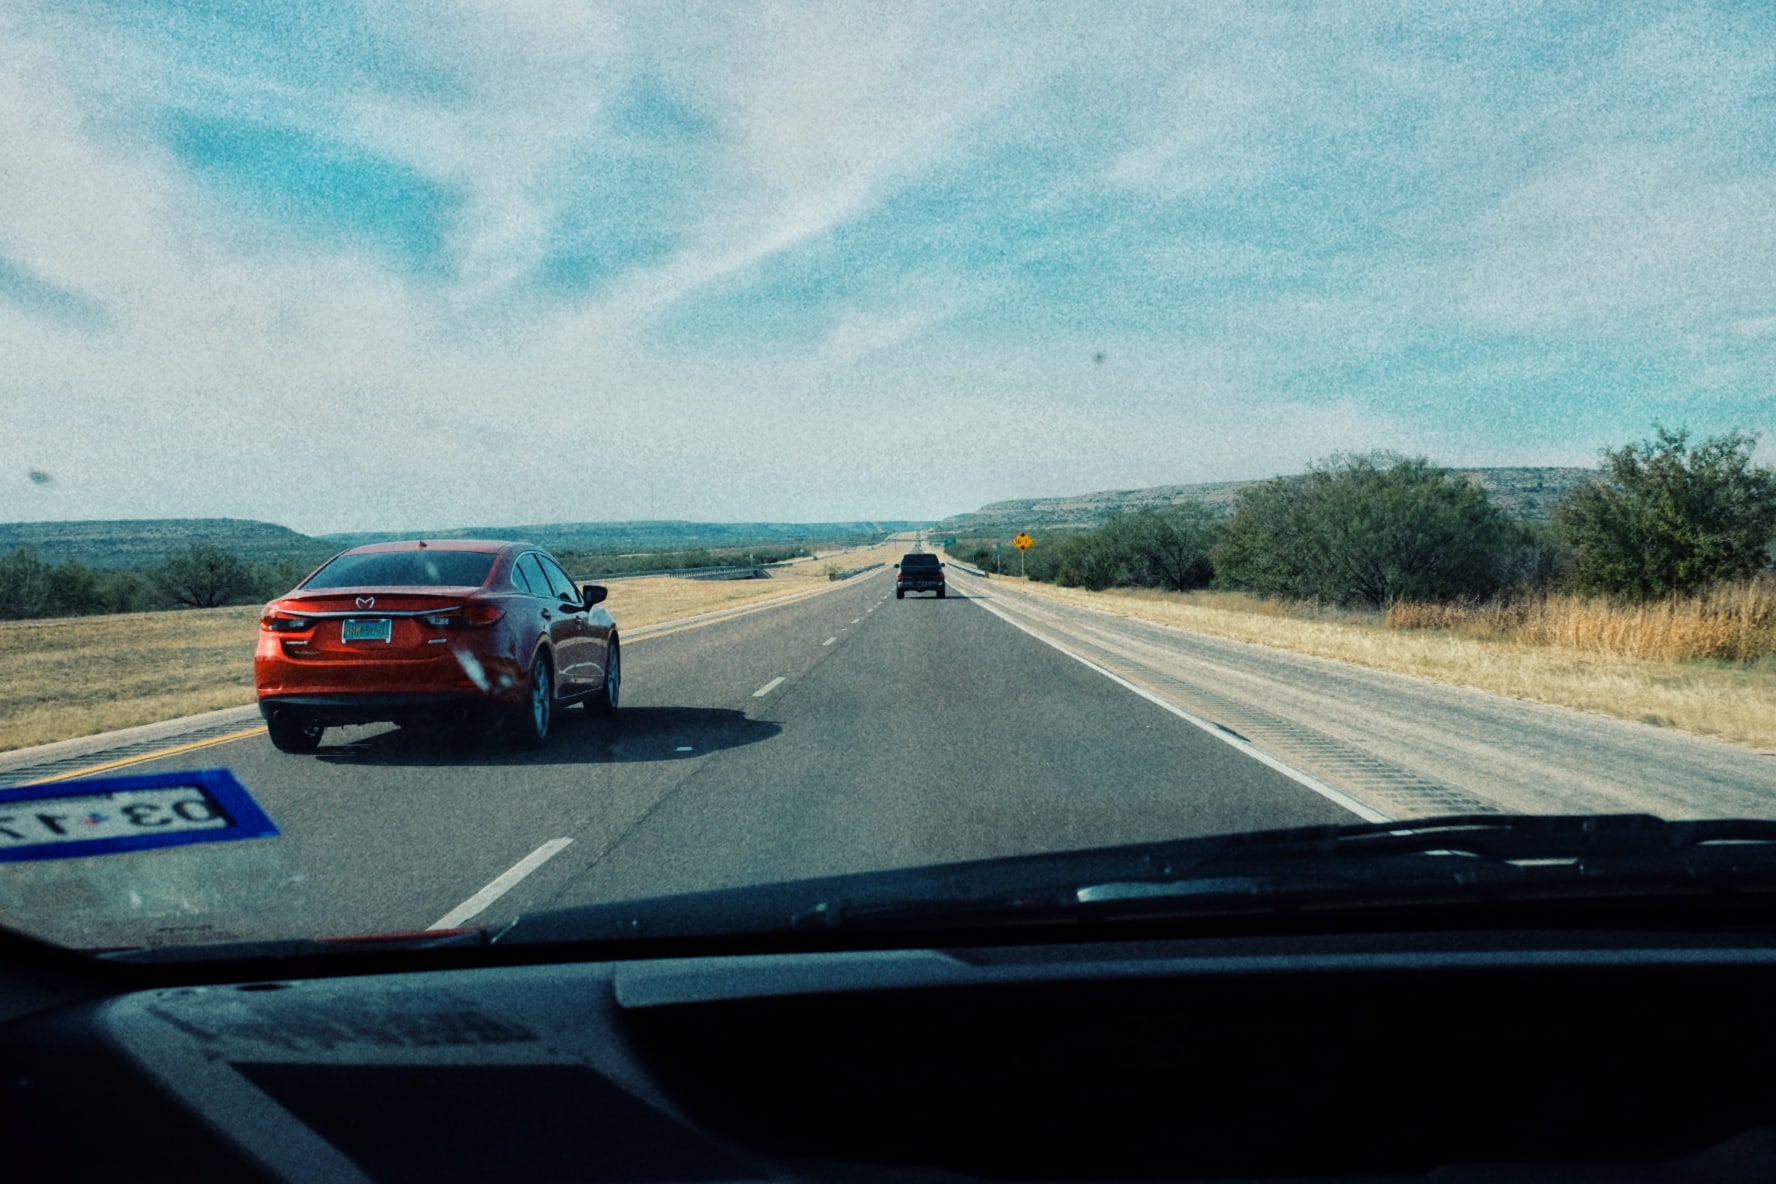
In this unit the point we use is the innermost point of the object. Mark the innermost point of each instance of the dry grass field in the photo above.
(1731, 624)
(1675, 665)
(79, 676)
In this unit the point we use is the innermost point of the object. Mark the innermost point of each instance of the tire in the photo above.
(294, 732)
(604, 702)
(900, 594)
(940, 593)
(530, 724)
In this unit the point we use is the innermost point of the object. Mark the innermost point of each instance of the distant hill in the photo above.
(1526, 492)
(140, 543)
(146, 542)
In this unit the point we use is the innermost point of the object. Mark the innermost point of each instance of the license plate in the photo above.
(376, 629)
(133, 813)
(88, 818)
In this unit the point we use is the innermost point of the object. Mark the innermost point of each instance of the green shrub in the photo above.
(1368, 530)
(24, 585)
(1666, 517)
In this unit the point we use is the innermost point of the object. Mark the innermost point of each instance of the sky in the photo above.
(397, 266)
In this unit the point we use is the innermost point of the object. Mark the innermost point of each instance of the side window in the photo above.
(529, 577)
(559, 584)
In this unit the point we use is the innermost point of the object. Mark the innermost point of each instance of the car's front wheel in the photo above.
(530, 723)
(293, 732)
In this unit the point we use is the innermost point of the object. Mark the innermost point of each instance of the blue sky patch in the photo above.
(21, 287)
(313, 45)
(321, 187)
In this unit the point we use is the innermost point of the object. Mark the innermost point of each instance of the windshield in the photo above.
(1294, 416)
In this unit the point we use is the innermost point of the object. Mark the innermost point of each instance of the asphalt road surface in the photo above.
(851, 731)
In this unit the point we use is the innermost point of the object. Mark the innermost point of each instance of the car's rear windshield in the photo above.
(923, 560)
(405, 569)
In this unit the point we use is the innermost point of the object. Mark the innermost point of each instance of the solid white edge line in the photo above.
(1337, 796)
(502, 884)
(768, 687)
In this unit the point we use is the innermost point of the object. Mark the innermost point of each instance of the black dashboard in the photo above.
(1497, 1054)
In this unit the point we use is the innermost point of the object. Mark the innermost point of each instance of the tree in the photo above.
(1668, 517)
(203, 576)
(1174, 544)
(73, 589)
(126, 592)
(1367, 530)
(24, 585)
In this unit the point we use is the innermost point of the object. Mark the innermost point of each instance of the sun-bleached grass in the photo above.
(78, 676)
(1735, 623)
(1562, 657)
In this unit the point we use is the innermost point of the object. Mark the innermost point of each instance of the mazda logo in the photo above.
(366, 602)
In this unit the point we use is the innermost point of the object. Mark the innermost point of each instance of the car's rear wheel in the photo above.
(940, 593)
(606, 700)
(292, 731)
(530, 724)
(900, 594)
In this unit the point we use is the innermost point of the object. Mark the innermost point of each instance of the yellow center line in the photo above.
(148, 756)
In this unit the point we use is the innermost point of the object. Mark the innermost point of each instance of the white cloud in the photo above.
(1629, 232)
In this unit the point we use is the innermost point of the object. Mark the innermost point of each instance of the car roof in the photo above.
(483, 545)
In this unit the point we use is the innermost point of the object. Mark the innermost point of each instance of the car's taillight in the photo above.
(278, 621)
(469, 616)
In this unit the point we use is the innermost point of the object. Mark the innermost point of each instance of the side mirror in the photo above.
(594, 594)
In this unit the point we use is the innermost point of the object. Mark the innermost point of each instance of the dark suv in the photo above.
(919, 572)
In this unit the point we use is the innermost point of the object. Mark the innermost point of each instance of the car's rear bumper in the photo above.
(445, 675)
(334, 710)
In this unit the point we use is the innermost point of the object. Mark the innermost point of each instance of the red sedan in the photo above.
(426, 630)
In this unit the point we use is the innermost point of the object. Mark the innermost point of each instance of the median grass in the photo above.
(79, 676)
(1705, 665)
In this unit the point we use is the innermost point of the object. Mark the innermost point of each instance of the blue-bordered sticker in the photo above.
(107, 815)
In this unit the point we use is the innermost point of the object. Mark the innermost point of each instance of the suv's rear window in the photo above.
(925, 559)
(405, 569)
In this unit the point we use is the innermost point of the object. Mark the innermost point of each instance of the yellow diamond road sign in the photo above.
(1022, 542)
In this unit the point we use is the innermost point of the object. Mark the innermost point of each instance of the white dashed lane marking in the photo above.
(501, 884)
(829, 641)
(768, 687)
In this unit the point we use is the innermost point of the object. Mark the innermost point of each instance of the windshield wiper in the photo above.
(1472, 856)
(1433, 861)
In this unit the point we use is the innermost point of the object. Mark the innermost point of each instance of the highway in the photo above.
(851, 731)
